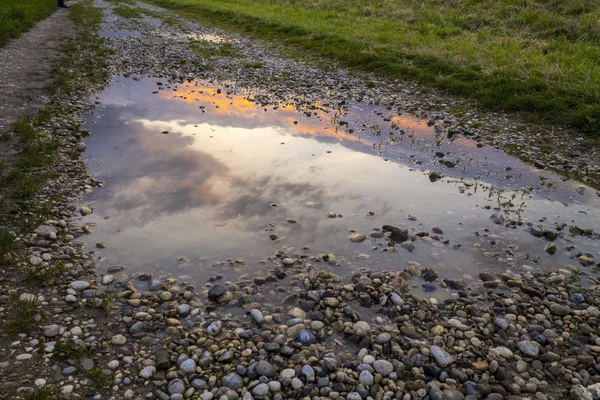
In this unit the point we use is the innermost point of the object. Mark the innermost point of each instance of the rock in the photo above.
(214, 328)
(578, 392)
(586, 261)
(551, 249)
(559, 309)
(148, 372)
(442, 357)
(257, 316)
(188, 366)
(305, 337)
(383, 367)
(288, 373)
(183, 309)
(357, 237)
(410, 246)
(264, 368)
(528, 348)
(396, 234)
(107, 279)
(217, 291)
(497, 218)
(501, 323)
(51, 330)
(79, 285)
(176, 386)
(262, 389)
(233, 381)
(118, 340)
(384, 338)
(297, 384)
(361, 328)
(297, 313)
(365, 378)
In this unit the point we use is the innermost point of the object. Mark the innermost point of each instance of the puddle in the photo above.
(118, 33)
(199, 179)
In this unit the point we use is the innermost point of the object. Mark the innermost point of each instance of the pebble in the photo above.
(118, 340)
(79, 285)
(358, 237)
(441, 356)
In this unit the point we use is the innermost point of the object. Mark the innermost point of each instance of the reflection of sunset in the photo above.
(242, 107)
(416, 127)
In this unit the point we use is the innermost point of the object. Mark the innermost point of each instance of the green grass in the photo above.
(21, 317)
(17, 16)
(534, 56)
(41, 393)
(127, 12)
(7, 237)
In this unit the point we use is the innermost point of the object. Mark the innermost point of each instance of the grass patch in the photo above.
(210, 51)
(536, 56)
(7, 237)
(67, 350)
(127, 11)
(17, 16)
(21, 318)
(41, 393)
(99, 378)
(107, 297)
(254, 64)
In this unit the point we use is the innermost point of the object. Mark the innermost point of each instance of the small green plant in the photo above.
(254, 64)
(99, 378)
(37, 274)
(575, 273)
(7, 237)
(40, 393)
(67, 350)
(22, 317)
(127, 12)
(104, 301)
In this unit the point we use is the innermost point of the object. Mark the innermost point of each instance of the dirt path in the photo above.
(25, 67)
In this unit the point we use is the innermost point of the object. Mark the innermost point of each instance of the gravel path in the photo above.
(299, 332)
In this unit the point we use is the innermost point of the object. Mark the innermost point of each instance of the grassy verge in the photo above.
(80, 67)
(534, 56)
(17, 16)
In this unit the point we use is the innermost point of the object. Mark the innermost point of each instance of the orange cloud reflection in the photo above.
(238, 106)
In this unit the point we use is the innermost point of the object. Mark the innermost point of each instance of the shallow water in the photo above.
(194, 177)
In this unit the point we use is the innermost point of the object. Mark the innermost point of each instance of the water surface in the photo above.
(199, 178)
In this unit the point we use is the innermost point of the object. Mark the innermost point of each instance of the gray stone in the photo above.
(188, 366)
(528, 348)
(214, 328)
(383, 367)
(79, 285)
(365, 378)
(559, 310)
(442, 357)
(148, 372)
(176, 386)
(184, 309)
(51, 331)
(233, 381)
(261, 389)
(266, 369)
